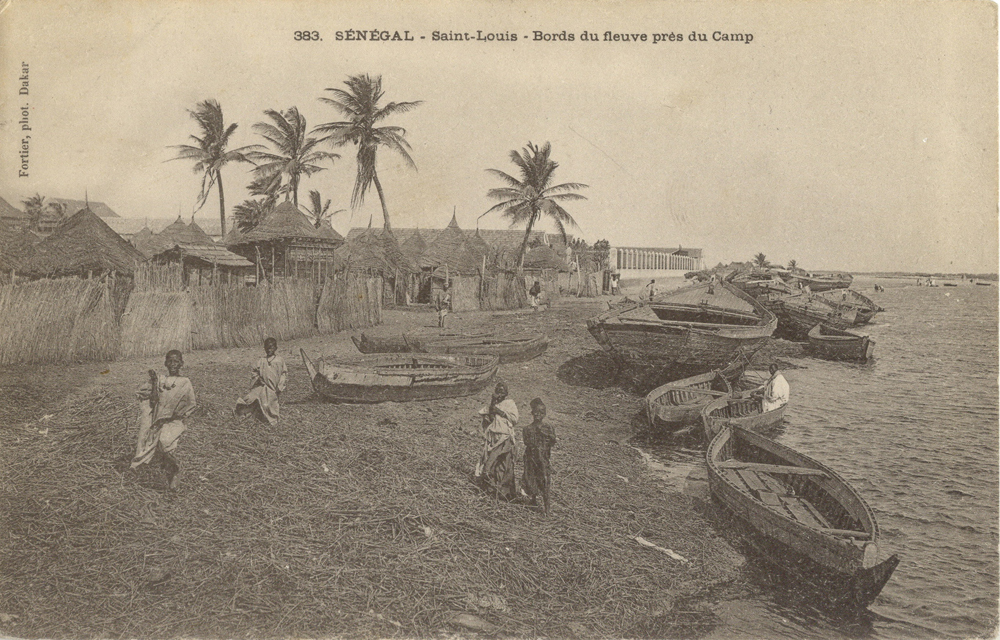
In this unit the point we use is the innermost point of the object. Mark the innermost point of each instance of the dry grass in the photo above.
(342, 520)
(349, 301)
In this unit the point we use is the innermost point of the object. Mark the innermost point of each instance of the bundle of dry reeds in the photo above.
(150, 276)
(57, 321)
(156, 322)
(348, 301)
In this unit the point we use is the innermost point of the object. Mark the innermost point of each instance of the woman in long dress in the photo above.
(495, 470)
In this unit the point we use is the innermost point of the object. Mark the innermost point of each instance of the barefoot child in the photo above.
(164, 401)
(539, 439)
(269, 377)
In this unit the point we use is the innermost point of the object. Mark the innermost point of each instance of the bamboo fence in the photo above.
(348, 301)
(57, 321)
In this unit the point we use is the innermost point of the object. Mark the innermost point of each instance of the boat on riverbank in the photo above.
(818, 284)
(508, 347)
(801, 514)
(837, 344)
(747, 413)
(399, 378)
(864, 306)
(704, 326)
(676, 405)
(798, 313)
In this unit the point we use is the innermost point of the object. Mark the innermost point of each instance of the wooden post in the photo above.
(257, 270)
(273, 265)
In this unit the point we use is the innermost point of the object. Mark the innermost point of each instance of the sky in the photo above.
(847, 135)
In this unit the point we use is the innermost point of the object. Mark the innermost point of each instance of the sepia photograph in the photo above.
(499, 319)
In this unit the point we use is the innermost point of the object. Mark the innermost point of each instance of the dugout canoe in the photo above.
(837, 344)
(400, 378)
(799, 313)
(802, 516)
(743, 412)
(818, 284)
(704, 326)
(864, 306)
(507, 347)
(678, 404)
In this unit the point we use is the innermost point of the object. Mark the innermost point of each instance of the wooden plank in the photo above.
(772, 468)
(803, 515)
(860, 535)
(752, 480)
(770, 499)
(733, 477)
(775, 485)
(816, 514)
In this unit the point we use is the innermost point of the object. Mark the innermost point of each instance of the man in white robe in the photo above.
(775, 392)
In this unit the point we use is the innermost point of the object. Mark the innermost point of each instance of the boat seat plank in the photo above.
(775, 485)
(800, 512)
(816, 514)
(860, 535)
(769, 498)
(772, 468)
(752, 480)
(733, 477)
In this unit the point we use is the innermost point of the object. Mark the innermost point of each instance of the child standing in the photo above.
(443, 304)
(164, 401)
(269, 378)
(539, 439)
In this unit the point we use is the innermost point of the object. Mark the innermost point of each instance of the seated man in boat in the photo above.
(774, 393)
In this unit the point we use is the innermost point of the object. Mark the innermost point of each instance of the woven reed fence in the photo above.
(349, 301)
(503, 290)
(156, 322)
(58, 321)
(150, 276)
(464, 291)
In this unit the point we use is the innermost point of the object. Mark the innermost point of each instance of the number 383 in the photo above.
(307, 35)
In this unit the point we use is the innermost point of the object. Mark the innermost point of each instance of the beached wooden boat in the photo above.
(984, 284)
(801, 514)
(745, 412)
(837, 344)
(757, 283)
(508, 347)
(676, 405)
(817, 284)
(949, 284)
(705, 326)
(851, 299)
(400, 378)
(799, 313)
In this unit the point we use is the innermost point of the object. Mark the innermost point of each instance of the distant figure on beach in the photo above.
(879, 287)
(539, 438)
(614, 283)
(164, 402)
(495, 469)
(269, 378)
(443, 304)
(774, 393)
(651, 290)
(535, 293)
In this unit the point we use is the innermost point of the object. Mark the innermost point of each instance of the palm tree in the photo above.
(524, 201)
(760, 260)
(792, 265)
(359, 104)
(319, 211)
(294, 154)
(250, 213)
(209, 152)
(34, 206)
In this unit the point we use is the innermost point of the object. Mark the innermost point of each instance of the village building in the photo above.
(377, 252)
(84, 246)
(12, 216)
(286, 244)
(201, 260)
(654, 262)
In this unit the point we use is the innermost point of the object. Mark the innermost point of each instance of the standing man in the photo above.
(443, 304)
(651, 290)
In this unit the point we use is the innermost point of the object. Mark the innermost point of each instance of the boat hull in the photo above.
(507, 348)
(839, 345)
(797, 316)
(676, 405)
(377, 379)
(805, 530)
(742, 412)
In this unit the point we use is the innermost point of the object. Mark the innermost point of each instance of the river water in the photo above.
(916, 432)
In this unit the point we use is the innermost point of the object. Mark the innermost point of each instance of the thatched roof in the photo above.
(478, 245)
(285, 222)
(212, 254)
(450, 250)
(82, 243)
(374, 250)
(414, 246)
(7, 210)
(15, 244)
(327, 231)
(73, 206)
(543, 257)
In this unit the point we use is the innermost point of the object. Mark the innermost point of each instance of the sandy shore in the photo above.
(343, 520)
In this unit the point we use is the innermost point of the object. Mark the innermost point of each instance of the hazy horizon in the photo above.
(846, 135)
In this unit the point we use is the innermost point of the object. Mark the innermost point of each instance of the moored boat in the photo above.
(816, 283)
(508, 347)
(747, 413)
(399, 378)
(675, 405)
(838, 344)
(864, 307)
(704, 326)
(801, 514)
(800, 312)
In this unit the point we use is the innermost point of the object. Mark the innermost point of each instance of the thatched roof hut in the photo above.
(479, 247)
(414, 246)
(375, 250)
(287, 243)
(82, 244)
(16, 244)
(450, 251)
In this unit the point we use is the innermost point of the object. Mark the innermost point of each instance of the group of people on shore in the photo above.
(166, 401)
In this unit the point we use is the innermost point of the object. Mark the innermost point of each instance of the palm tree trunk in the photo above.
(524, 243)
(294, 183)
(222, 204)
(381, 197)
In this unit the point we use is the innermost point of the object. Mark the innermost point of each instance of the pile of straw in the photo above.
(342, 520)
(58, 321)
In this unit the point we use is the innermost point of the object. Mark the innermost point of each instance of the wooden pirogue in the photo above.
(802, 515)
(400, 378)
(800, 312)
(820, 283)
(837, 344)
(705, 326)
(864, 306)
(508, 347)
(678, 404)
(747, 413)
